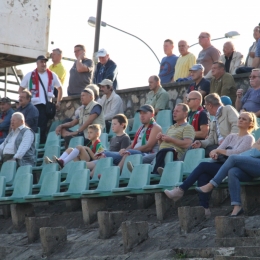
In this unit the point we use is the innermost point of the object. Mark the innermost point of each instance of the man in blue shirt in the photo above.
(29, 111)
(167, 67)
(106, 69)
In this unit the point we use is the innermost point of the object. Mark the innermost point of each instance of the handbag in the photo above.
(221, 157)
(252, 153)
(50, 106)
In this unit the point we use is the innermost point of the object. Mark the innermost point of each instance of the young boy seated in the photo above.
(82, 153)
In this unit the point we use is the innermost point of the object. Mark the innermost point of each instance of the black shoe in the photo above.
(241, 211)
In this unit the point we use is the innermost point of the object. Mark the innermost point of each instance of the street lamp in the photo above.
(231, 35)
(92, 22)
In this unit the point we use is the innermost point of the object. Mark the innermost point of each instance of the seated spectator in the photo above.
(144, 143)
(158, 98)
(29, 111)
(184, 62)
(82, 153)
(19, 144)
(231, 58)
(198, 117)
(6, 114)
(200, 83)
(105, 69)
(92, 113)
(177, 139)
(251, 100)
(237, 143)
(167, 67)
(226, 100)
(224, 123)
(222, 82)
(111, 102)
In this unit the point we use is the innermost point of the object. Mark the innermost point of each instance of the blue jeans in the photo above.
(237, 168)
(117, 157)
(202, 174)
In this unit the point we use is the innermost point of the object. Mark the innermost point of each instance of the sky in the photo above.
(152, 21)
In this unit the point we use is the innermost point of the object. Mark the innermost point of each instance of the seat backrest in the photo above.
(104, 140)
(54, 125)
(135, 159)
(24, 169)
(100, 166)
(75, 166)
(256, 134)
(164, 118)
(109, 179)
(140, 176)
(74, 128)
(51, 150)
(168, 157)
(37, 140)
(2, 186)
(79, 181)
(192, 159)
(137, 123)
(8, 170)
(51, 167)
(50, 183)
(111, 133)
(75, 141)
(172, 173)
(52, 136)
(23, 185)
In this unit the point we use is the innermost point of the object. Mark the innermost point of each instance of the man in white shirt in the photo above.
(33, 81)
(19, 143)
(111, 102)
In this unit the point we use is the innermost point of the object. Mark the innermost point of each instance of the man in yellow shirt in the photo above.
(57, 66)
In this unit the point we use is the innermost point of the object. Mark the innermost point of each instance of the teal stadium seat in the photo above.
(136, 124)
(75, 141)
(164, 118)
(2, 186)
(135, 159)
(54, 125)
(104, 140)
(102, 164)
(8, 171)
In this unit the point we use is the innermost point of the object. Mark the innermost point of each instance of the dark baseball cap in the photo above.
(146, 108)
(41, 57)
(5, 100)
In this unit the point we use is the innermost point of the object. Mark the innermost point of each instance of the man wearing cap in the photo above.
(34, 82)
(144, 143)
(157, 97)
(105, 69)
(5, 117)
(91, 113)
(29, 111)
(200, 83)
(81, 71)
(111, 102)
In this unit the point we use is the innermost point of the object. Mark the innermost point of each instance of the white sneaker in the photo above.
(130, 166)
(207, 212)
(47, 160)
(160, 170)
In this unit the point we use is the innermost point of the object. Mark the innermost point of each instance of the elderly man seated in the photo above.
(19, 143)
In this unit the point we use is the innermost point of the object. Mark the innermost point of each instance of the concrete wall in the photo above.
(134, 97)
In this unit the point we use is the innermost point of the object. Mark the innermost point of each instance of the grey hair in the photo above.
(18, 115)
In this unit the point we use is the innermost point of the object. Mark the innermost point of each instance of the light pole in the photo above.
(92, 22)
(232, 34)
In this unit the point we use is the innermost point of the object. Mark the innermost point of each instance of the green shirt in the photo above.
(158, 100)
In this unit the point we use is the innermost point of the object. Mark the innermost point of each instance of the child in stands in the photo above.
(82, 153)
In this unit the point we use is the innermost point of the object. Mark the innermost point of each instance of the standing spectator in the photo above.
(158, 98)
(256, 61)
(30, 112)
(105, 69)
(184, 62)
(200, 83)
(198, 117)
(209, 53)
(32, 81)
(231, 58)
(168, 63)
(222, 82)
(111, 102)
(6, 114)
(81, 71)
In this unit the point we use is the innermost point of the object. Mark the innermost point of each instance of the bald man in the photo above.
(197, 116)
(231, 58)
(184, 62)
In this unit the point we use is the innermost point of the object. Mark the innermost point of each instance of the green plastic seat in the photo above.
(172, 174)
(73, 166)
(136, 124)
(135, 159)
(164, 118)
(37, 140)
(108, 181)
(256, 134)
(192, 160)
(100, 166)
(52, 167)
(75, 141)
(2, 186)
(111, 133)
(79, 182)
(8, 170)
(140, 177)
(22, 187)
(52, 139)
(104, 140)
(54, 125)
(74, 128)
(50, 185)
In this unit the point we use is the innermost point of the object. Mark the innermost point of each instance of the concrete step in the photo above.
(250, 251)
(221, 257)
(252, 232)
(237, 241)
